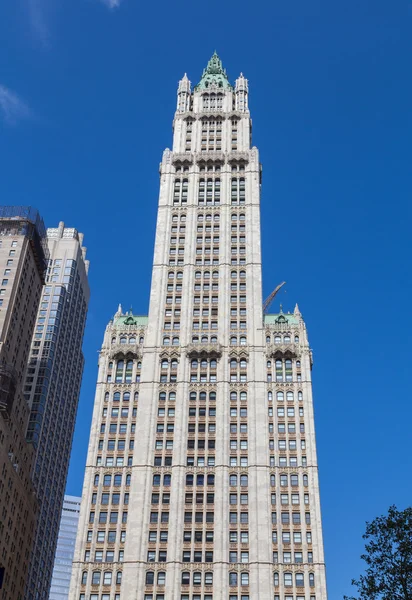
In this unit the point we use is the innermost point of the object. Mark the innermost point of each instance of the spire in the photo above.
(297, 312)
(214, 74)
(119, 311)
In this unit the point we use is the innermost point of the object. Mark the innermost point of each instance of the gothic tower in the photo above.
(201, 480)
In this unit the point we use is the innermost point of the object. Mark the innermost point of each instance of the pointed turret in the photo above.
(297, 312)
(119, 311)
(214, 74)
(183, 94)
(241, 89)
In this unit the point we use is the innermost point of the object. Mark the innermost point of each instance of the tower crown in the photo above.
(214, 74)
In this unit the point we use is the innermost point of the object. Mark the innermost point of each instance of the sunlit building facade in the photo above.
(201, 480)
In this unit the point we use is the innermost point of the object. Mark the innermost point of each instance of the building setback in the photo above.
(52, 389)
(201, 479)
(62, 570)
(23, 259)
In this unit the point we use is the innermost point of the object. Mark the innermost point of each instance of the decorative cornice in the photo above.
(282, 349)
(204, 349)
(125, 350)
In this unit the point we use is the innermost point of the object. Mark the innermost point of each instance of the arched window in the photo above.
(156, 480)
(141, 340)
(300, 582)
(212, 396)
(175, 341)
(123, 340)
(110, 365)
(242, 274)
(128, 478)
(209, 578)
(132, 340)
(243, 396)
(189, 479)
(136, 396)
(286, 339)
(278, 339)
(166, 341)
(298, 364)
(106, 397)
(272, 480)
(232, 578)
(161, 578)
(200, 479)
(213, 339)
(185, 578)
(167, 479)
(173, 364)
(116, 397)
(84, 577)
(113, 340)
(117, 480)
(243, 341)
(244, 578)
(179, 275)
(118, 577)
(243, 480)
(192, 396)
(204, 339)
(96, 480)
(270, 396)
(243, 363)
(165, 363)
(233, 396)
(312, 579)
(233, 341)
(280, 396)
(107, 480)
(305, 480)
(162, 397)
(197, 578)
(126, 396)
(213, 363)
(233, 363)
(276, 579)
(172, 396)
(233, 274)
(289, 396)
(210, 479)
(149, 577)
(96, 576)
(268, 364)
(198, 275)
(268, 339)
(171, 275)
(288, 579)
(107, 578)
(296, 339)
(194, 364)
(300, 396)
(232, 479)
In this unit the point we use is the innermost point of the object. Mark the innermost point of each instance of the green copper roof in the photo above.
(281, 318)
(214, 74)
(131, 320)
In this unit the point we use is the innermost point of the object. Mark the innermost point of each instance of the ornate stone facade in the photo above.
(201, 483)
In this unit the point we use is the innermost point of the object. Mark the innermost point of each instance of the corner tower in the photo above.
(201, 478)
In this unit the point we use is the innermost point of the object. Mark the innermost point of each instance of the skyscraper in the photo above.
(201, 480)
(52, 389)
(23, 259)
(62, 570)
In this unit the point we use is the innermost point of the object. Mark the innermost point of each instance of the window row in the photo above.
(197, 577)
(299, 579)
(114, 427)
(287, 339)
(127, 340)
(105, 577)
(117, 396)
(109, 536)
(280, 396)
(116, 479)
(105, 517)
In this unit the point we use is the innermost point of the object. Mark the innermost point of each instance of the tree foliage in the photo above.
(388, 556)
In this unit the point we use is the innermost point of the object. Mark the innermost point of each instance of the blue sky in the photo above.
(87, 96)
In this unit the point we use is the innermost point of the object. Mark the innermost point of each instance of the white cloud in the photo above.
(12, 108)
(38, 10)
(112, 3)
